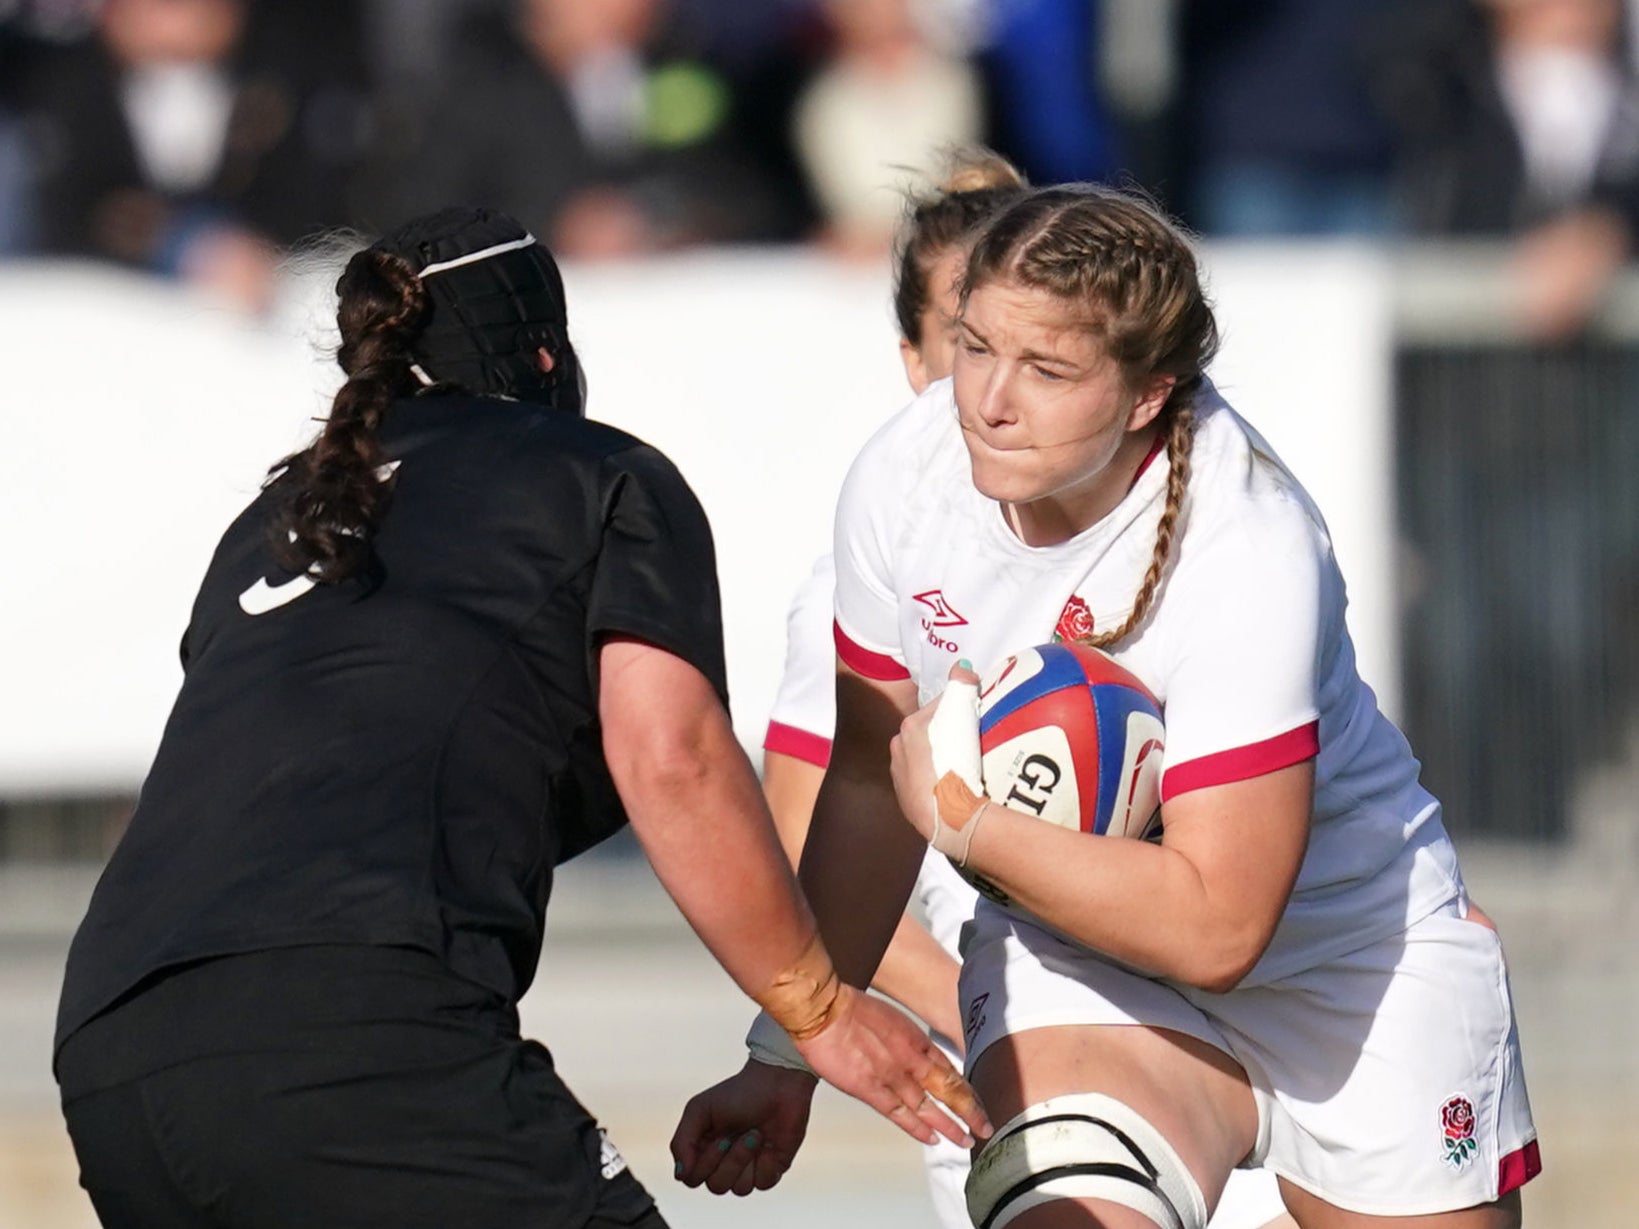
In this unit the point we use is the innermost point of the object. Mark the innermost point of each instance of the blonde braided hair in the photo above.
(1130, 277)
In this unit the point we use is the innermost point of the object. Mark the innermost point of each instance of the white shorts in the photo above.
(1388, 1081)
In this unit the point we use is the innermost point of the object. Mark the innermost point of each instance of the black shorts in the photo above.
(338, 1087)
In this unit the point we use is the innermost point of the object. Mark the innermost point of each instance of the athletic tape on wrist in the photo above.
(803, 996)
(953, 798)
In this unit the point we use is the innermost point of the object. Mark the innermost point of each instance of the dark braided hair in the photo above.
(333, 492)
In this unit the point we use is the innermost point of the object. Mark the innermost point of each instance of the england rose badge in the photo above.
(1457, 1128)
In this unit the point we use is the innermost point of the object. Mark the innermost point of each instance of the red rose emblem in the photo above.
(1457, 1117)
(1457, 1124)
(1075, 621)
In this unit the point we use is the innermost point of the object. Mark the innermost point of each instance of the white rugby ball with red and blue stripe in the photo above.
(1068, 734)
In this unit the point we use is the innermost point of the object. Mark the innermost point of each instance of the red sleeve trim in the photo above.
(1243, 763)
(798, 744)
(861, 660)
(1518, 1168)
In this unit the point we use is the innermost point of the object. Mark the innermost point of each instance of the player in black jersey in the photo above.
(459, 639)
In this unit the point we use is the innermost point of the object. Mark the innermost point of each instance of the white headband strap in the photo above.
(512, 245)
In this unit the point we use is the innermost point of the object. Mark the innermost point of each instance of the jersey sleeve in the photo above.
(1242, 685)
(655, 575)
(866, 631)
(804, 715)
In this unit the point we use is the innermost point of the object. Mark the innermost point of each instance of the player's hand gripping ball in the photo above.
(1069, 735)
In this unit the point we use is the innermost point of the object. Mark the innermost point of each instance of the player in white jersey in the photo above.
(920, 966)
(1290, 977)
(919, 969)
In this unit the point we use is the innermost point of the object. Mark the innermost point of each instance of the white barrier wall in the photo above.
(136, 420)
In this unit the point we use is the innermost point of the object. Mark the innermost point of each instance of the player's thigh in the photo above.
(1312, 1212)
(1191, 1092)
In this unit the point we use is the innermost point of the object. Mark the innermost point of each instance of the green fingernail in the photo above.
(965, 664)
(753, 1140)
(723, 1145)
(677, 1170)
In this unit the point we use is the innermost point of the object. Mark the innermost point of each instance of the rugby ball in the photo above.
(1069, 735)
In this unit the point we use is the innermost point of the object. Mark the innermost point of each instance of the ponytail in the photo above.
(334, 491)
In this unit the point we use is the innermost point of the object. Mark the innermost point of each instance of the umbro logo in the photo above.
(944, 615)
(975, 1018)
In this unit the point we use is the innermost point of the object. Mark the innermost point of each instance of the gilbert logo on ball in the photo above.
(1069, 735)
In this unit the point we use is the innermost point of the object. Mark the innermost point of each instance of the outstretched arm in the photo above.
(695, 807)
(915, 970)
(694, 803)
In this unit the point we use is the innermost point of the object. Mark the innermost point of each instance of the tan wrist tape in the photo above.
(802, 998)
(957, 811)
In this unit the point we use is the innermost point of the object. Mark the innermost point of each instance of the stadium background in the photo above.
(1475, 466)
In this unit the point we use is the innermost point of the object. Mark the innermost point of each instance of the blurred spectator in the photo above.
(190, 137)
(592, 125)
(1040, 60)
(768, 51)
(1521, 118)
(737, 34)
(875, 117)
(406, 40)
(1277, 125)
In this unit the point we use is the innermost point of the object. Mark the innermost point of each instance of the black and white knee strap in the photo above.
(1082, 1146)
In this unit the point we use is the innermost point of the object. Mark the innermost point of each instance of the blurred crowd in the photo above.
(198, 138)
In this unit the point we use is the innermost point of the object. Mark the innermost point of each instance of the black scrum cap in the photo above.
(496, 296)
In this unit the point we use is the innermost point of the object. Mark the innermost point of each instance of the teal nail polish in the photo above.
(677, 1170)
(723, 1145)
(753, 1140)
(965, 664)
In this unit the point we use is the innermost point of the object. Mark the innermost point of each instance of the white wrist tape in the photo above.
(772, 1046)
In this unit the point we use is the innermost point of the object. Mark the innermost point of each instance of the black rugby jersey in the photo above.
(405, 764)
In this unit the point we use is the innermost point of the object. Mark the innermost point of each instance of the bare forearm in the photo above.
(1143, 904)
(791, 786)
(695, 805)
(915, 971)
(714, 849)
(857, 870)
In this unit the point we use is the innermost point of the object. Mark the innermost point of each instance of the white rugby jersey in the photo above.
(1245, 647)
(804, 718)
(804, 715)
